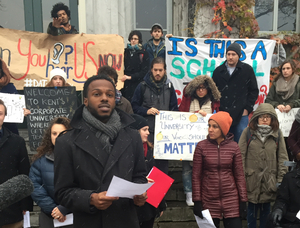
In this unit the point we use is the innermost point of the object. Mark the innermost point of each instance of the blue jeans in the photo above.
(187, 176)
(264, 210)
(237, 130)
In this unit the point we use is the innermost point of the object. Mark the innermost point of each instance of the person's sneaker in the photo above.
(189, 200)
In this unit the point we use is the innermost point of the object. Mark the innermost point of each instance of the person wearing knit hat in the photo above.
(147, 213)
(237, 83)
(264, 153)
(218, 179)
(58, 78)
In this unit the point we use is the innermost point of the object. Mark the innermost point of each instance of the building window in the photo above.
(277, 15)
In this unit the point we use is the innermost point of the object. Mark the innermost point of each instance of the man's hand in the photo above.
(125, 77)
(56, 214)
(56, 22)
(245, 113)
(281, 108)
(152, 111)
(202, 113)
(140, 200)
(287, 108)
(101, 201)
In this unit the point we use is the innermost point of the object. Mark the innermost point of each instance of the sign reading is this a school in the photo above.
(187, 58)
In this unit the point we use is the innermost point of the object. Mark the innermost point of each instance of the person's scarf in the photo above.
(106, 132)
(158, 85)
(263, 131)
(286, 89)
(136, 47)
(145, 145)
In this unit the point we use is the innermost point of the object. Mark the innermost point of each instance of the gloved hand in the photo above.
(243, 210)
(198, 209)
(276, 215)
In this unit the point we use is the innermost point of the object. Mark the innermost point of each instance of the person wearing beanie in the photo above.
(294, 137)
(58, 78)
(136, 64)
(237, 83)
(147, 213)
(263, 151)
(218, 179)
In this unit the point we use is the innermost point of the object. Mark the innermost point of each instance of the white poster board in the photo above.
(177, 134)
(188, 57)
(286, 120)
(14, 104)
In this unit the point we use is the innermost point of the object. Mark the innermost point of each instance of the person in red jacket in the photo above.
(201, 96)
(218, 178)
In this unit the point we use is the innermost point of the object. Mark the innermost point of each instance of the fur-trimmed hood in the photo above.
(194, 84)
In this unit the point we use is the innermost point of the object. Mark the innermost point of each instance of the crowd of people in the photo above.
(236, 173)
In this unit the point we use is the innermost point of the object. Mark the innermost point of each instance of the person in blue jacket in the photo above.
(42, 176)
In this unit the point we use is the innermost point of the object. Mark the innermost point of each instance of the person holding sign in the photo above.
(263, 151)
(237, 83)
(42, 176)
(61, 17)
(58, 78)
(218, 178)
(147, 213)
(201, 96)
(294, 137)
(284, 93)
(100, 145)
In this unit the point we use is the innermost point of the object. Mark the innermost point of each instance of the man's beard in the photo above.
(156, 39)
(97, 116)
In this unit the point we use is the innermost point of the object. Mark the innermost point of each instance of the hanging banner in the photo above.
(187, 58)
(286, 120)
(177, 134)
(30, 56)
(45, 104)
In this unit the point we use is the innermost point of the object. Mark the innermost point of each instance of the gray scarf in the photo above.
(297, 117)
(106, 132)
(286, 89)
(263, 131)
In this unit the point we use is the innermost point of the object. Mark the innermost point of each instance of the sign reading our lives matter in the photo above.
(177, 134)
(188, 57)
(46, 104)
(286, 120)
(31, 56)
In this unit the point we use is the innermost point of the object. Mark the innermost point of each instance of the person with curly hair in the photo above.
(61, 21)
(42, 176)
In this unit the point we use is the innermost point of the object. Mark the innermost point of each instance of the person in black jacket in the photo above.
(13, 161)
(136, 64)
(99, 146)
(42, 176)
(287, 203)
(147, 213)
(238, 86)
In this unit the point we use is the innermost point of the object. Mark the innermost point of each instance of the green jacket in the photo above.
(274, 99)
(263, 161)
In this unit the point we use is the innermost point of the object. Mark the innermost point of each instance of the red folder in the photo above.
(160, 188)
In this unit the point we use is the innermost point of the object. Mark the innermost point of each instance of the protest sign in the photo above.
(286, 120)
(14, 104)
(46, 104)
(31, 56)
(177, 134)
(188, 57)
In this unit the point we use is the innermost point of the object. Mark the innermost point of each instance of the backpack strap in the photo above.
(249, 137)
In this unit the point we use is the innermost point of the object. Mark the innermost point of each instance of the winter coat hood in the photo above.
(262, 109)
(194, 84)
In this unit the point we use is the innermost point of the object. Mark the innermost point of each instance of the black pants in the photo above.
(147, 224)
(229, 222)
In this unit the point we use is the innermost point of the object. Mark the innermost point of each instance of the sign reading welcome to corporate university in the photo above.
(187, 58)
(45, 104)
(31, 56)
(177, 134)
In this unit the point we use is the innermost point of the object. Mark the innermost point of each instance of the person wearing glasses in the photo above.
(136, 64)
(263, 151)
(201, 96)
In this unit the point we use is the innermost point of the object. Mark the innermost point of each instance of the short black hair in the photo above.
(111, 72)
(137, 33)
(158, 60)
(60, 6)
(2, 103)
(93, 78)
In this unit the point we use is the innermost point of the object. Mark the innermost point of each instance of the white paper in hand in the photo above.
(26, 220)
(68, 221)
(298, 215)
(207, 221)
(122, 188)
